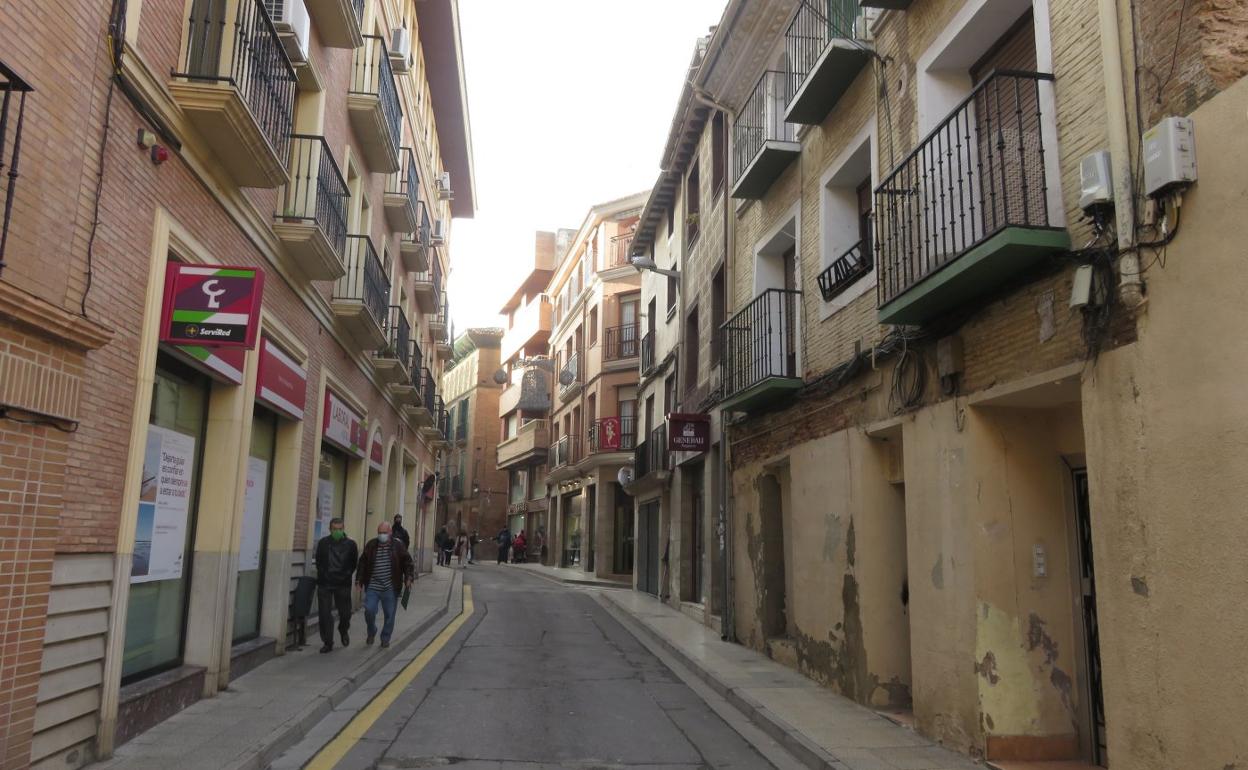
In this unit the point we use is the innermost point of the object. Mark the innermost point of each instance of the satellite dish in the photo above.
(500, 377)
(625, 476)
(566, 377)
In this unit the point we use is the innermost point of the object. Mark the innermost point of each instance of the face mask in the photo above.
(383, 538)
(337, 534)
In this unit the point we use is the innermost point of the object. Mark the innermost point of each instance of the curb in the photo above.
(569, 582)
(796, 743)
(297, 728)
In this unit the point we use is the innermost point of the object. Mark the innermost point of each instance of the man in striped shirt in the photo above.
(385, 570)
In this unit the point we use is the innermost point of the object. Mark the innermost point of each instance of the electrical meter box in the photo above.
(1096, 181)
(1169, 155)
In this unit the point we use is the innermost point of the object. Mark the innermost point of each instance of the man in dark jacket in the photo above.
(385, 570)
(504, 544)
(336, 559)
(399, 533)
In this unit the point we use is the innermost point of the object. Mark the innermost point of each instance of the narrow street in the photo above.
(540, 675)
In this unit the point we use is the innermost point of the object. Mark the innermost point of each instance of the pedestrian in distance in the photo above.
(336, 558)
(448, 547)
(504, 544)
(461, 548)
(439, 543)
(539, 545)
(519, 548)
(473, 541)
(400, 534)
(385, 570)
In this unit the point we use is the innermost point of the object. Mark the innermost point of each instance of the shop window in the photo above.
(251, 549)
(165, 526)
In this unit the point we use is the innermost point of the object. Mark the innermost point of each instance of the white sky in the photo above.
(570, 102)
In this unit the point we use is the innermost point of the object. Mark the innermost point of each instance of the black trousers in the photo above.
(339, 598)
(502, 553)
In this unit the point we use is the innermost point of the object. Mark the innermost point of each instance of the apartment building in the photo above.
(681, 244)
(474, 490)
(595, 346)
(950, 370)
(528, 373)
(301, 161)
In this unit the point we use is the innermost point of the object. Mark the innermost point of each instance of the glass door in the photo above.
(252, 545)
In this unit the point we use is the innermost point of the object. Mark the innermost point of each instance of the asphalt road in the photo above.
(541, 676)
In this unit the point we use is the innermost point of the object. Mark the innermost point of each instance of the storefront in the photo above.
(572, 507)
(251, 549)
(343, 437)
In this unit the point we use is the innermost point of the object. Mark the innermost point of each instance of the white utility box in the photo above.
(1169, 155)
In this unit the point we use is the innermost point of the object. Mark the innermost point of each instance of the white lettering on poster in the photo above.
(324, 505)
(164, 506)
(253, 514)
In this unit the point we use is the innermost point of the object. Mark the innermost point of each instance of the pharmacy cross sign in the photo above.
(211, 305)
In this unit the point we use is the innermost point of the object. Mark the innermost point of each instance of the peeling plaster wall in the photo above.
(1167, 420)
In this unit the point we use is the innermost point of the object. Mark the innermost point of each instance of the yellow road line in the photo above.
(335, 750)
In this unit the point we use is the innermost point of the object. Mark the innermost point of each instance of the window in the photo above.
(719, 153)
(693, 204)
(671, 292)
(593, 326)
(517, 486)
(669, 393)
(718, 303)
(692, 346)
(671, 222)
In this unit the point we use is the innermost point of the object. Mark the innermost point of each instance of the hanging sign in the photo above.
(342, 426)
(211, 305)
(376, 454)
(164, 506)
(609, 434)
(281, 384)
(688, 432)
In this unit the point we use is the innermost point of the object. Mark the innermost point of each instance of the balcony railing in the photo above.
(429, 392)
(823, 55)
(651, 455)
(618, 251)
(398, 336)
(760, 124)
(980, 171)
(570, 373)
(647, 352)
(365, 281)
(613, 434)
(256, 64)
(415, 368)
(457, 487)
(760, 342)
(845, 270)
(404, 185)
(566, 451)
(432, 278)
(372, 76)
(317, 193)
(619, 342)
(10, 85)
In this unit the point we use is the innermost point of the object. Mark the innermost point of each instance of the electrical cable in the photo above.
(99, 190)
(1174, 55)
(5, 414)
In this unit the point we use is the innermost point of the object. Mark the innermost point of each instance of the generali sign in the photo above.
(211, 305)
(688, 432)
(342, 426)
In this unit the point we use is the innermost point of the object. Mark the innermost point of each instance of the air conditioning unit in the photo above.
(294, 27)
(444, 187)
(439, 232)
(400, 49)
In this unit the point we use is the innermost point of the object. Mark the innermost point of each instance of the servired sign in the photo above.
(342, 426)
(688, 432)
(281, 384)
(211, 305)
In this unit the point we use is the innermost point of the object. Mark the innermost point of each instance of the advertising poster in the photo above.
(164, 506)
(324, 507)
(253, 515)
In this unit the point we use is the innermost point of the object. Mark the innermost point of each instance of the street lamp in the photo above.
(646, 263)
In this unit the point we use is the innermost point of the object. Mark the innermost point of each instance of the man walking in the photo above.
(336, 559)
(504, 544)
(385, 570)
(473, 540)
(401, 534)
(439, 545)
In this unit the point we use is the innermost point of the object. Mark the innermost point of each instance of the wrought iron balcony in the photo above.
(647, 352)
(362, 295)
(439, 321)
(620, 342)
(14, 90)
(414, 246)
(237, 87)
(764, 144)
(565, 452)
(759, 361)
(373, 104)
(338, 22)
(570, 379)
(393, 358)
(407, 389)
(651, 455)
(613, 434)
(312, 223)
(968, 208)
(618, 251)
(845, 270)
(403, 194)
(427, 288)
(823, 55)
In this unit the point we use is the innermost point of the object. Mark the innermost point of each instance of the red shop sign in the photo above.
(688, 432)
(281, 384)
(376, 454)
(342, 426)
(609, 434)
(211, 305)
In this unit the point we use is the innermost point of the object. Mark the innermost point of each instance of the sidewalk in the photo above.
(570, 576)
(818, 727)
(270, 709)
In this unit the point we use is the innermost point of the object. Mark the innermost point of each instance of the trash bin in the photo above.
(301, 607)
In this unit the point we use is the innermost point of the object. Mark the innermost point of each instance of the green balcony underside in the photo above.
(894, 5)
(827, 82)
(765, 169)
(979, 270)
(761, 393)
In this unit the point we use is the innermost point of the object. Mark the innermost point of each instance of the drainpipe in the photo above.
(1130, 286)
